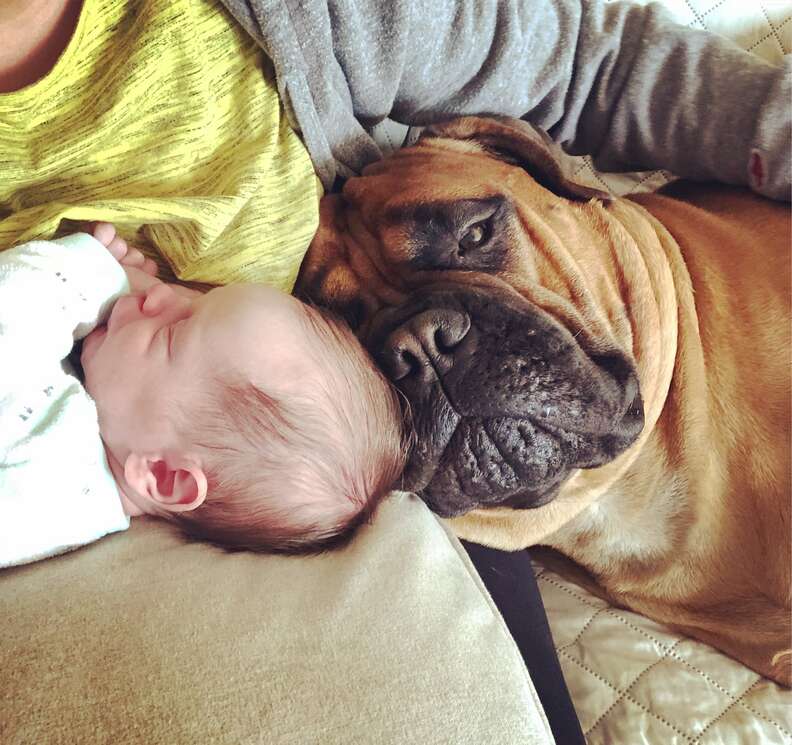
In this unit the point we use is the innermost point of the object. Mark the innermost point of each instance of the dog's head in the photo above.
(475, 273)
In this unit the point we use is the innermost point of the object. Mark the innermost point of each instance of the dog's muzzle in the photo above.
(504, 401)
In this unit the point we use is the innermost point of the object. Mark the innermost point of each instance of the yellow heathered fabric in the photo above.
(163, 117)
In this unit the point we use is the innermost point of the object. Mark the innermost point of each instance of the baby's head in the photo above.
(251, 419)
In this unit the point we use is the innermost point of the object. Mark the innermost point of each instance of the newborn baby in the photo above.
(248, 418)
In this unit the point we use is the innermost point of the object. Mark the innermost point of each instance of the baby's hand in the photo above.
(141, 272)
(126, 255)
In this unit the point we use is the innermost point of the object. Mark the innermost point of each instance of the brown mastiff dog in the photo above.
(607, 377)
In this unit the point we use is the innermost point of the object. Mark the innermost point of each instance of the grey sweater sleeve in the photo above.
(619, 81)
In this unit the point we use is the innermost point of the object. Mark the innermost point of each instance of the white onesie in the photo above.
(56, 488)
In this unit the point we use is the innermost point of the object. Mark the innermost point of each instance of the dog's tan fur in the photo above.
(691, 525)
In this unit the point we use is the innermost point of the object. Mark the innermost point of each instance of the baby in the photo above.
(246, 417)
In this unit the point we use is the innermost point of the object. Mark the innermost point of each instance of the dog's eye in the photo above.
(474, 236)
(464, 235)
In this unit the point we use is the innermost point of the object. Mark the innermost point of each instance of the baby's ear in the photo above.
(173, 483)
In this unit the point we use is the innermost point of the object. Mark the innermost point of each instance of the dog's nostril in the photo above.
(402, 354)
(424, 344)
(404, 363)
(441, 330)
(445, 340)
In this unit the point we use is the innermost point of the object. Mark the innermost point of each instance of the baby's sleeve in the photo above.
(53, 293)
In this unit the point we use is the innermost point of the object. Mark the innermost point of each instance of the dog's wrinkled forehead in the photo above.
(470, 152)
(516, 142)
(444, 204)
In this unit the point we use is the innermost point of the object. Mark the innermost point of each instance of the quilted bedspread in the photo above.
(633, 681)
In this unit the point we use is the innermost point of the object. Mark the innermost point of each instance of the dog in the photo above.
(607, 377)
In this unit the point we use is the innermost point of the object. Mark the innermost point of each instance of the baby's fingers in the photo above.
(135, 258)
(121, 251)
(105, 233)
(149, 266)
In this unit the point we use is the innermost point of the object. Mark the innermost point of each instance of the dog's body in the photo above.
(519, 356)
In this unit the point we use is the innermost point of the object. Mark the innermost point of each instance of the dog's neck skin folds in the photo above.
(632, 257)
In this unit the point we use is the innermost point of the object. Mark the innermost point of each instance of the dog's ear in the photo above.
(522, 144)
(326, 277)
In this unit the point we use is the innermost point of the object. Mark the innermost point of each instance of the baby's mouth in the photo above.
(91, 343)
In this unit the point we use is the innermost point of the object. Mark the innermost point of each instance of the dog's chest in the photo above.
(624, 527)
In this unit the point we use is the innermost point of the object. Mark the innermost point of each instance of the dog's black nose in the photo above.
(424, 344)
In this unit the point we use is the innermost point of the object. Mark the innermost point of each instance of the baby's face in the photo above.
(164, 347)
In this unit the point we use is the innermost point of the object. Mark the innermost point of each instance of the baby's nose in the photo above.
(160, 298)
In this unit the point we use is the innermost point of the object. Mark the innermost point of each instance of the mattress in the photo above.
(633, 681)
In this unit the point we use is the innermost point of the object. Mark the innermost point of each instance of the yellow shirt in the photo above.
(162, 117)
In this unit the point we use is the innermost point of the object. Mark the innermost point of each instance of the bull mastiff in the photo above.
(607, 377)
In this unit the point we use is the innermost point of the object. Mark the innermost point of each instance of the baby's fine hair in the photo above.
(298, 473)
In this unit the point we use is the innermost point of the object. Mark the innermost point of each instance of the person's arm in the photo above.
(53, 293)
(619, 81)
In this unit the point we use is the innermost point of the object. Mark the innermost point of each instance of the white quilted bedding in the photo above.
(633, 681)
